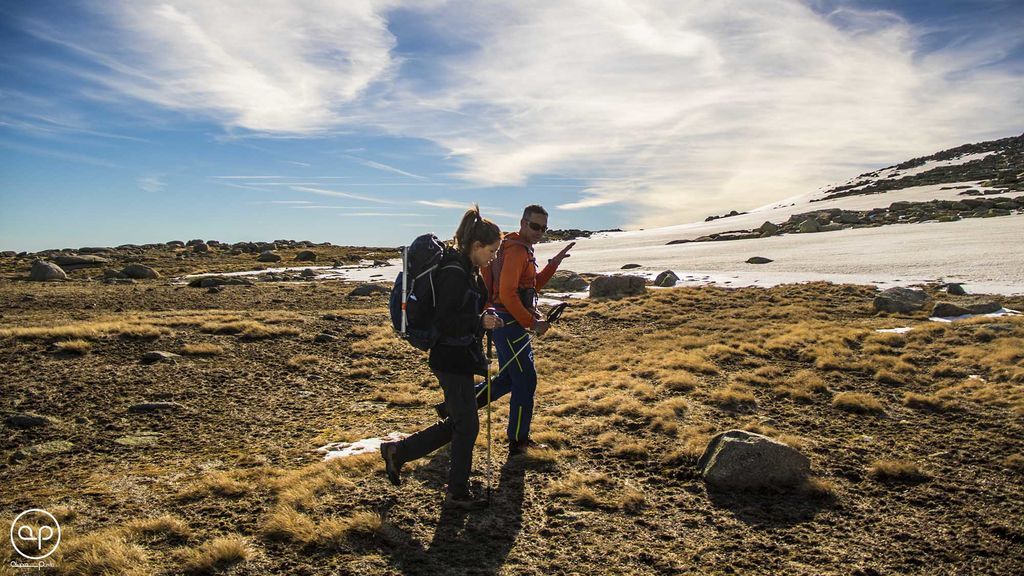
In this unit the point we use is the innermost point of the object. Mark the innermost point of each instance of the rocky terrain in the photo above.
(174, 429)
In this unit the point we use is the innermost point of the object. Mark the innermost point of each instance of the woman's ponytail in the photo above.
(475, 228)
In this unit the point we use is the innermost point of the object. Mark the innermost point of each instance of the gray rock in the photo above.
(758, 260)
(86, 261)
(306, 256)
(617, 286)
(666, 279)
(144, 407)
(27, 420)
(369, 289)
(768, 229)
(140, 272)
(901, 300)
(308, 273)
(955, 289)
(111, 273)
(268, 256)
(566, 281)
(201, 248)
(324, 337)
(194, 242)
(630, 266)
(947, 309)
(741, 460)
(809, 225)
(158, 356)
(46, 272)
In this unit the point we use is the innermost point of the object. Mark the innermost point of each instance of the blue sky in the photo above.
(370, 122)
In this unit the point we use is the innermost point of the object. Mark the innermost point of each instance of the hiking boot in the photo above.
(442, 411)
(463, 499)
(519, 447)
(392, 466)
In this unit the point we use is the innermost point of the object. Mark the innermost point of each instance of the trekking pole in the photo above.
(490, 345)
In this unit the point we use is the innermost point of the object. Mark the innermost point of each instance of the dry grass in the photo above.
(160, 527)
(74, 346)
(222, 484)
(304, 360)
(857, 403)
(202, 349)
(925, 402)
(733, 396)
(288, 524)
(896, 471)
(1014, 462)
(248, 329)
(107, 551)
(679, 381)
(214, 556)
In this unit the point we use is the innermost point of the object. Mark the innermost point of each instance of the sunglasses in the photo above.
(537, 227)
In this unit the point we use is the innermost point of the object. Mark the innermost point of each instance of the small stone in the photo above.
(154, 356)
(27, 420)
(369, 289)
(630, 266)
(955, 289)
(759, 260)
(324, 337)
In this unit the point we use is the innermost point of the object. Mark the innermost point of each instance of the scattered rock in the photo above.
(324, 337)
(111, 273)
(956, 289)
(901, 300)
(948, 309)
(201, 248)
(210, 281)
(140, 272)
(158, 356)
(306, 256)
(46, 272)
(741, 460)
(308, 273)
(768, 229)
(630, 266)
(617, 286)
(666, 279)
(759, 260)
(215, 289)
(671, 242)
(73, 261)
(144, 407)
(369, 289)
(27, 420)
(566, 281)
(268, 256)
(809, 225)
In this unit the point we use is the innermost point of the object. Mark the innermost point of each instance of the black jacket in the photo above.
(459, 292)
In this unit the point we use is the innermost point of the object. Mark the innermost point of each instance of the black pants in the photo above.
(460, 429)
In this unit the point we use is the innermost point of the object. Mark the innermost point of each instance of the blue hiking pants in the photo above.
(519, 376)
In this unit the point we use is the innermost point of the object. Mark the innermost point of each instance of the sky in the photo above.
(369, 122)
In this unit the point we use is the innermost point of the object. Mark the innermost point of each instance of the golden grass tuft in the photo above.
(857, 403)
(202, 349)
(896, 471)
(924, 402)
(288, 524)
(214, 556)
(679, 381)
(551, 438)
(106, 551)
(821, 488)
(248, 329)
(1014, 462)
(78, 346)
(216, 484)
(732, 396)
(165, 526)
(304, 360)
(691, 360)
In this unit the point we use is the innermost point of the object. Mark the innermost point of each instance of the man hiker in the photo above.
(512, 281)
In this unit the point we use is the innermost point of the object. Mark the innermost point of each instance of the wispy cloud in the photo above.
(303, 164)
(671, 108)
(151, 184)
(340, 194)
(385, 167)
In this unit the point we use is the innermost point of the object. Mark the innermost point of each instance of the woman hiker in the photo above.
(460, 321)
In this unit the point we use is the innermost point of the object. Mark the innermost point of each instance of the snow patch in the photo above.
(364, 446)
(996, 314)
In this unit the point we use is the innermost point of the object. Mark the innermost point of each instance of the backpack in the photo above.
(412, 300)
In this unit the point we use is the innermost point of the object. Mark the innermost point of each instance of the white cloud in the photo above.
(151, 184)
(674, 109)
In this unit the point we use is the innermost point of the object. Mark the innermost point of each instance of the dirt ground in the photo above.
(916, 440)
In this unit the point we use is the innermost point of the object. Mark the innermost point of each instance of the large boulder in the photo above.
(666, 279)
(306, 256)
(768, 229)
(78, 261)
(566, 281)
(901, 300)
(617, 286)
(956, 289)
(268, 256)
(809, 225)
(46, 271)
(201, 248)
(948, 309)
(140, 272)
(741, 460)
(369, 289)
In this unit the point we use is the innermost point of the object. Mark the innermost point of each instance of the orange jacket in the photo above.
(518, 270)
